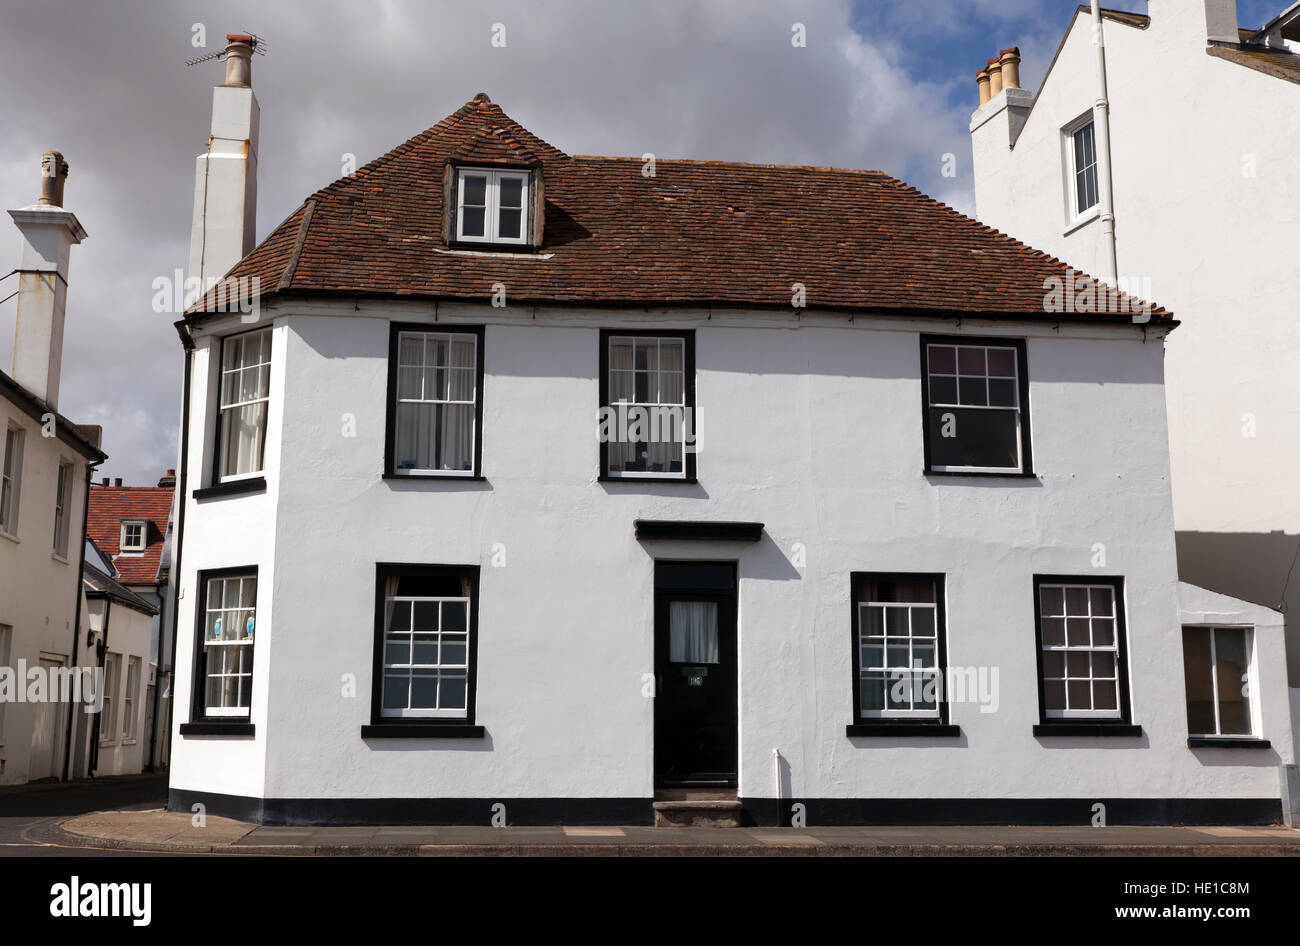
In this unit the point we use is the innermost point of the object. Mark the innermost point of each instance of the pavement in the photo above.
(29, 809)
(160, 831)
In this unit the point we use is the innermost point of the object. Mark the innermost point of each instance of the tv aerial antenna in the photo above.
(260, 45)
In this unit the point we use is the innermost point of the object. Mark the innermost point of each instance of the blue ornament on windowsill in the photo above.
(216, 630)
(248, 627)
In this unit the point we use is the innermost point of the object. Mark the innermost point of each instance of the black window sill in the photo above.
(422, 731)
(256, 484)
(672, 478)
(441, 477)
(1009, 474)
(887, 730)
(1120, 730)
(212, 728)
(1227, 742)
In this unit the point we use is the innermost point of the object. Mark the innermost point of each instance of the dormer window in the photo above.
(491, 206)
(133, 535)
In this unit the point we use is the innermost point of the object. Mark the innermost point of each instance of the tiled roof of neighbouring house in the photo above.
(697, 233)
(109, 505)
(1279, 63)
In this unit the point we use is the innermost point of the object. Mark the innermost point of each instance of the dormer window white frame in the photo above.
(134, 535)
(1082, 193)
(493, 206)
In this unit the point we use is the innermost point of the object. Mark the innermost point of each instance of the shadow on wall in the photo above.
(1249, 565)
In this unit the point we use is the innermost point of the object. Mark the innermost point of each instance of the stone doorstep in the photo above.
(713, 813)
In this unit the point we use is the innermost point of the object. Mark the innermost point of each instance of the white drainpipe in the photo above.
(1101, 123)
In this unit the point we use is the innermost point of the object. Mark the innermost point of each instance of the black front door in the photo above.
(695, 671)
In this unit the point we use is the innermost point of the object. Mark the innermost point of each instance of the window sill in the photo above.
(1121, 730)
(1009, 474)
(212, 728)
(886, 730)
(61, 559)
(1078, 223)
(646, 479)
(523, 250)
(10, 536)
(422, 731)
(1227, 742)
(256, 484)
(442, 477)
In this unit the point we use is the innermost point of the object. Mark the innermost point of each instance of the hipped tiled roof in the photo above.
(109, 505)
(696, 233)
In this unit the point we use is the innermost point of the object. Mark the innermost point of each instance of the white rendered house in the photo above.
(896, 563)
(46, 463)
(1204, 127)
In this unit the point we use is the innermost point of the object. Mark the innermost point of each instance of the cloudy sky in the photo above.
(881, 84)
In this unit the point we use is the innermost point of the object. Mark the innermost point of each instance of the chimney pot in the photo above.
(117, 481)
(239, 59)
(54, 171)
(104, 481)
(1009, 59)
(995, 77)
(982, 82)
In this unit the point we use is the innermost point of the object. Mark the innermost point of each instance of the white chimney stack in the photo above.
(225, 179)
(1221, 21)
(48, 234)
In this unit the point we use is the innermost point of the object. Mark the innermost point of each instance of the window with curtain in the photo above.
(976, 418)
(898, 631)
(647, 426)
(1216, 661)
(244, 400)
(693, 632)
(427, 651)
(228, 625)
(435, 417)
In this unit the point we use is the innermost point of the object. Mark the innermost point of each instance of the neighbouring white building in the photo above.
(46, 463)
(132, 526)
(901, 562)
(115, 739)
(1204, 129)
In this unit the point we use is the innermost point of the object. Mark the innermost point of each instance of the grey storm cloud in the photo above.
(106, 84)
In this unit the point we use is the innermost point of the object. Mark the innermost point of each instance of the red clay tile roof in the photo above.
(109, 505)
(697, 233)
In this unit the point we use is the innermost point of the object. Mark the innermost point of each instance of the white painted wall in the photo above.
(811, 426)
(123, 750)
(1207, 206)
(38, 589)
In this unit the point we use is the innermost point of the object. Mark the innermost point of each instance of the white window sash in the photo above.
(448, 401)
(492, 205)
(410, 632)
(624, 404)
(893, 674)
(1214, 680)
(228, 410)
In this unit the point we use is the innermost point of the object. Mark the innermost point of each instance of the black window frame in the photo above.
(381, 726)
(200, 723)
(939, 726)
(689, 472)
(390, 410)
(1121, 725)
(1022, 392)
(249, 482)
